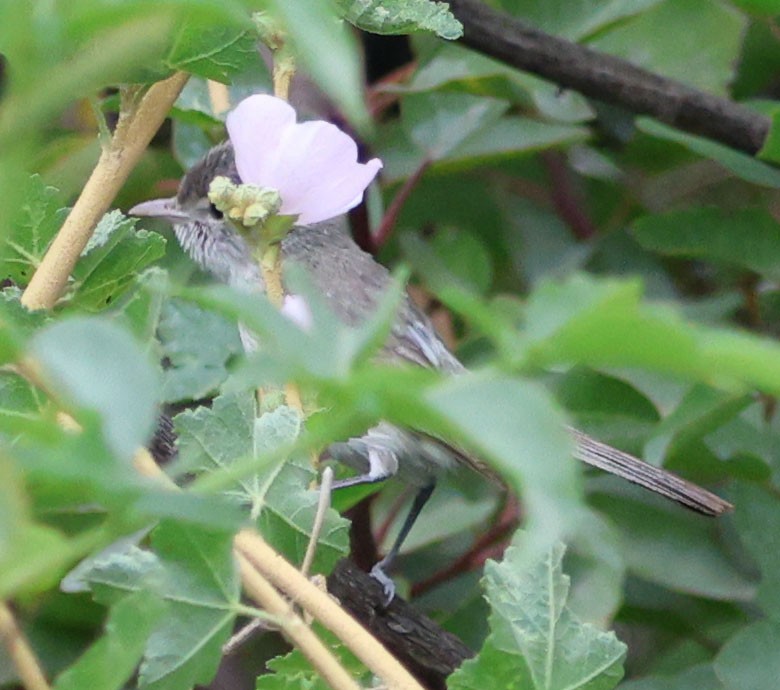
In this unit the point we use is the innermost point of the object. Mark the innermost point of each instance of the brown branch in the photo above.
(427, 651)
(390, 218)
(609, 79)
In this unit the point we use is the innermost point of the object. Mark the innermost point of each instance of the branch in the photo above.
(427, 650)
(609, 78)
(134, 131)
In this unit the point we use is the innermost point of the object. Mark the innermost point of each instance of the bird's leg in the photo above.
(378, 571)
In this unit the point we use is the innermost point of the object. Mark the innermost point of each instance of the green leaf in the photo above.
(401, 17)
(605, 323)
(193, 571)
(111, 261)
(756, 521)
(17, 324)
(707, 65)
(700, 676)
(109, 662)
(746, 237)
(465, 256)
(676, 549)
(770, 151)
(439, 122)
(512, 423)
(203, 591)
(214, 51)
(294, 671)
(32, 228)
(535, 633)
(328, 52)
(494, 668)
(749, 660)
(197, 345)
(740, 164)
(576, 20)
(277, 496)
(96, 365)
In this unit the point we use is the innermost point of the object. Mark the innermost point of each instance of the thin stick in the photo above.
(22, 656)
(326, 486)
(134, 131)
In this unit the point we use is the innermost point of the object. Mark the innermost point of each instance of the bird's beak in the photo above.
(164, 209)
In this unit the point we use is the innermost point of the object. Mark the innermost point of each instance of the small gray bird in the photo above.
(336, 265)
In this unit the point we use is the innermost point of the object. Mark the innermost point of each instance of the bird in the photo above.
(352, 283)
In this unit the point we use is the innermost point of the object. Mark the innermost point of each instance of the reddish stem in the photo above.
(566, 198)
(490, 545)
(390, 218)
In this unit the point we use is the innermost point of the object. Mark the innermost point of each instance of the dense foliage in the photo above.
(591, 265)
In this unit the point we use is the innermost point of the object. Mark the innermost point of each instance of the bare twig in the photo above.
(326, 487)
(609, 78)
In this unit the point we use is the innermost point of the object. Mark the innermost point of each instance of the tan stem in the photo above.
(219, 95)
(21, 654)
(134, 131)
(259, 589)
(304, 593)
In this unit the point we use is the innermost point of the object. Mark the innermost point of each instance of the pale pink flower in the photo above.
(297, 310)
(313, 165)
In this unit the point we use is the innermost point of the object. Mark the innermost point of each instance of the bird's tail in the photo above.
(660, 481)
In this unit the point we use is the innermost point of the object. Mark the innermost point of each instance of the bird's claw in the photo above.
(388, 586)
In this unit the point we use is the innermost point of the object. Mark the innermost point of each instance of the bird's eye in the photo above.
(215, 212)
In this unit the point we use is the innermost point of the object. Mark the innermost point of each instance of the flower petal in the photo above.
(340, 194)
(313, 165)
(256, 127)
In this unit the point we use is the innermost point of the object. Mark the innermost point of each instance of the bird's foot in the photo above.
(388, 586)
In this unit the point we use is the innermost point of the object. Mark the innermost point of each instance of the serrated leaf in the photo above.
(17, 324)
(114, 257)
(110, 661)
(401, 17)
(494, 668)
(191, 568)
(277, 495)
(533, 629)
(32, 229)
(746, 237)
(203, 591)
(294, 671)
